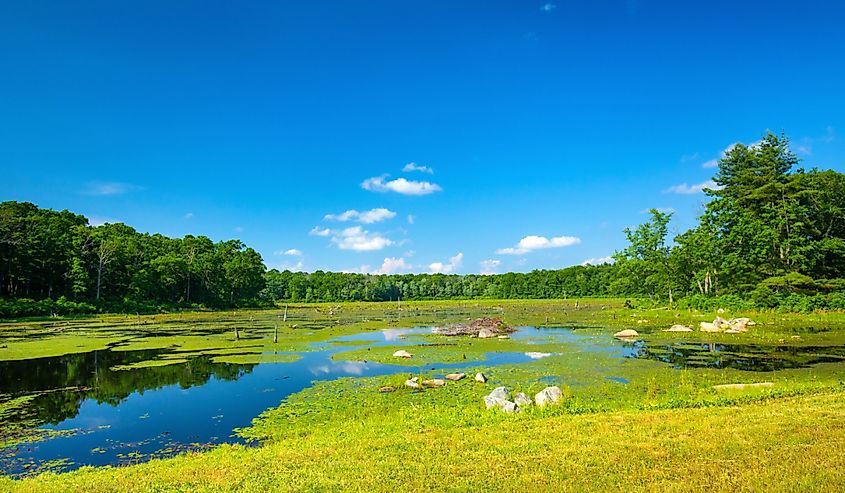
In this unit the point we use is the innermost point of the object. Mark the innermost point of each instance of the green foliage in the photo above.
(56, 257)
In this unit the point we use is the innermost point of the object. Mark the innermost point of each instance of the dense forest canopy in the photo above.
(770, 235)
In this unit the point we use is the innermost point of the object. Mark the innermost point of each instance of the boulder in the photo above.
(522, 400)
(401, 354)
(501, 393)
(435, 382)
(679, 328)
(708, 327)
(455, 376)
(721, 323)
(486, 333)
(480, 377)
(626, 334)
(505, 405)
(412, 382)
(740, 324)
(386, 389)
(549, 395)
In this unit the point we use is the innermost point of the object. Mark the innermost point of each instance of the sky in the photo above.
(406, 135)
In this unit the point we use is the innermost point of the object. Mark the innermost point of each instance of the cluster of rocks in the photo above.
(502, 399)
(732, 326)
(626, 334)
(415, 383)
(483, 328)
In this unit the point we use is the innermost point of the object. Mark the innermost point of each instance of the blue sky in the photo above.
(542, 128)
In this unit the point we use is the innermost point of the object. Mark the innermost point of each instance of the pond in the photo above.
(102, 415)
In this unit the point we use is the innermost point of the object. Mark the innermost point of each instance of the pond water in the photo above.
(112, 417)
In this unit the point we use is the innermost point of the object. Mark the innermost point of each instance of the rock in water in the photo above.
(708, 327)
(486, 333)
(480, 377)
(626, 334)
(501, 393)
(455, 376)
(522, 400)
(436, 382)
(401, 354)
(549, 395)
(679, 328)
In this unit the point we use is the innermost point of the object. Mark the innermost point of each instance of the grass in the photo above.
(658, 429)
(794, 444)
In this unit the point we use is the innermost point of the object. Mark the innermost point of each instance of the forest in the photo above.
(772, 235)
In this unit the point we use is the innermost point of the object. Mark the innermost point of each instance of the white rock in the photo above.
(486, 333)
(480, 377)
(455, 376)
(549, 395)
(708, 327)
(436, 382)
(501, 393)
(627, 333)
(412, 383)
(522, 400)
(505, 405)
(401, 354)
(679, 328)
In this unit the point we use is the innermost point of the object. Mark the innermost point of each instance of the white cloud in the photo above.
(393, 266)
(441, 268)
(109, 188)
(548, 7)
(713, 163)
(411, 219)
(400, 185)
(293, 252)
(416, 167)
(318, 231)
(189, 215)
(360, 240)
(599, 261)
(490, 266)
(364, 217)
(99, 221)
(533, 242)
(685, 189)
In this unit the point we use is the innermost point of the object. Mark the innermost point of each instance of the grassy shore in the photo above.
(661, 429)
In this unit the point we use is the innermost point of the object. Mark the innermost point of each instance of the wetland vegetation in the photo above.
(187, 364)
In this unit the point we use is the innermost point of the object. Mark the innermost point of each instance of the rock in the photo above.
(486, 333)
(412, 382)
(627, 333)
(480, 377)
(642, 321)
(549, 395)
(492, 324)
(679, 328)
(733, 331)
(795, 338)
(708, 327)
(455, 376)
(720, 311)
(741, 386)
(721, 323)
(522, 400)
(435, 382)
(505, 405)
(742, 320)
(401, 354)
(503, 336)
(386, 389)
(500, 393)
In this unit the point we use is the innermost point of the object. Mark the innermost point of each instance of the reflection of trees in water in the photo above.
(90, 373)
(742, 357)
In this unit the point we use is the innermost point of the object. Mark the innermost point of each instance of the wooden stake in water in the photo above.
(276, 334)
(237, 335)
(285, 319)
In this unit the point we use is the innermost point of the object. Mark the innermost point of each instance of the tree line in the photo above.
(771, 235)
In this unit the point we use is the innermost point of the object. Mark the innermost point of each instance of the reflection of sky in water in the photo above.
(536, 355)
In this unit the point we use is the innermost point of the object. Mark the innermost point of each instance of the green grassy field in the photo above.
(663, 429)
